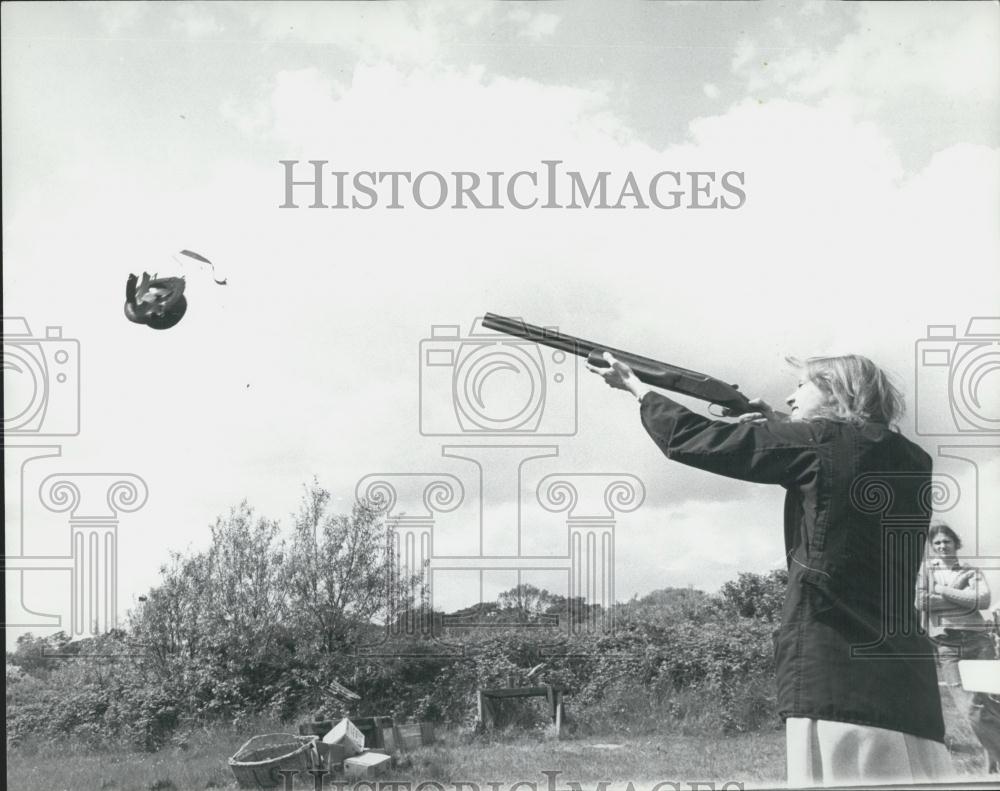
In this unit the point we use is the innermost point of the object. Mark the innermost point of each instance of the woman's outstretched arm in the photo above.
(770, 450)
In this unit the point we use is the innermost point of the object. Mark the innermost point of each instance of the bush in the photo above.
(248, 629)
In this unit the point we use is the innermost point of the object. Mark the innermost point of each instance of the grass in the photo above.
(72, 766)
(198, 761)
(648, 760)
(201, 764)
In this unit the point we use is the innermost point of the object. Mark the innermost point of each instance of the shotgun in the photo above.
(652, 372)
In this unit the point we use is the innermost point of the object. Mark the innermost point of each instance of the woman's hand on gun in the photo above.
(619, 376)
(763, 412)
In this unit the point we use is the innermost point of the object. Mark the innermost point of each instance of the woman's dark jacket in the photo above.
(857, 506)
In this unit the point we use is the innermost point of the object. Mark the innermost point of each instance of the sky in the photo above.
(866, 134)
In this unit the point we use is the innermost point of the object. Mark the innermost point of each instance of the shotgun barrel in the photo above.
(652, 372)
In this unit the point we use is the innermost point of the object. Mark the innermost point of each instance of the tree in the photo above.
(171, 620)
(669, 606)
(226, 599)
(35, 655)
(244, 573)
(757, 595)
(342, 572)
(527, 601)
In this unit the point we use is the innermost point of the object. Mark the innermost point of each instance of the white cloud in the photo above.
(949, 50)
(903, 65)
(952, 52)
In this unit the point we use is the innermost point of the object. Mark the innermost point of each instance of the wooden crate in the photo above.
(346, 733)
(315, 728)
(331, 755)
(366, 765)
(414, 735)
(374, 730)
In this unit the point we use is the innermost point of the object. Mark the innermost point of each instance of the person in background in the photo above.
(950, 595)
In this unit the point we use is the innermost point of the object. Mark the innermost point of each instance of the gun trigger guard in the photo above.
(722, 412)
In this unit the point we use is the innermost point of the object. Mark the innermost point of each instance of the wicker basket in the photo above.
(258, 762)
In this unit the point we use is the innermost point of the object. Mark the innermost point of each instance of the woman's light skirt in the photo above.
(821, 752)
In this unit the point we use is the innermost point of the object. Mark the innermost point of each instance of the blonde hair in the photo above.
(859, 391)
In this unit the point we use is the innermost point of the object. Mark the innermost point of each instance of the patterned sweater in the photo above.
(950, 597)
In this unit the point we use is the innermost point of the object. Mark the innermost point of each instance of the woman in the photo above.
(950, 595)
(856, 682)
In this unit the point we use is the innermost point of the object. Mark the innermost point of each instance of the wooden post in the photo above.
(559, 714)
(479, 709)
